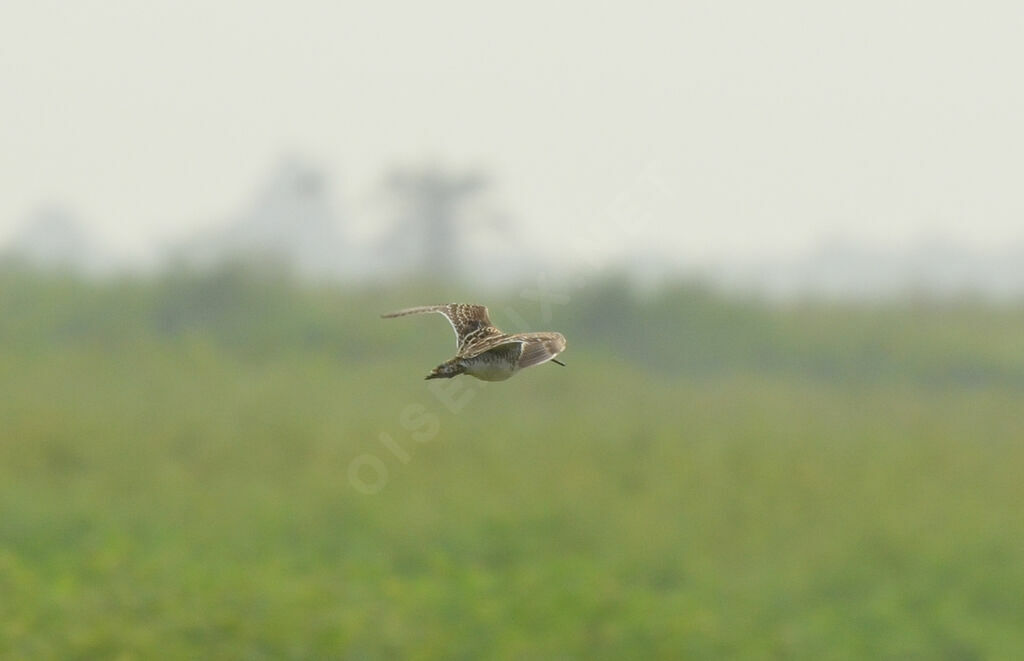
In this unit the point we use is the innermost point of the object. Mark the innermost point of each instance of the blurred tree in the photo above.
(54, 238)
(431, 217)
(290, 224)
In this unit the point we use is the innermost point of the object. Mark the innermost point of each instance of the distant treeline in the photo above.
(683, 328)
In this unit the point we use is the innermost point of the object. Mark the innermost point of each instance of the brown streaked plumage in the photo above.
(484, 351)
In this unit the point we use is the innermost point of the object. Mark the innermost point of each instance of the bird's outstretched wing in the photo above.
(468, 321)
(535, 348)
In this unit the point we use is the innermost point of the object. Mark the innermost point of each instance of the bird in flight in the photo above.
(484, 351)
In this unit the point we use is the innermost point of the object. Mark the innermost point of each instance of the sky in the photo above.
(682, 131)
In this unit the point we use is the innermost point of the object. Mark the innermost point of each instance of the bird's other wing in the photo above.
(539, 347)
(465, 318)
(507, 351)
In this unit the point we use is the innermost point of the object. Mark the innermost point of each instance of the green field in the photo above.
(707, 479)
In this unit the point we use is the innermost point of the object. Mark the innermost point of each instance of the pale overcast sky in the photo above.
(770, 124)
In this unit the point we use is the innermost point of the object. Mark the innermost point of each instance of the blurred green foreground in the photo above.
(183, 468)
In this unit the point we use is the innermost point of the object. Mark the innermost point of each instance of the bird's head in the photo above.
(447, 370)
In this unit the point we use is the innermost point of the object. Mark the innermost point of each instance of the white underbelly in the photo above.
(490, 371)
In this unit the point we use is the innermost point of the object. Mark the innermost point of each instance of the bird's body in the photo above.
(484, 351)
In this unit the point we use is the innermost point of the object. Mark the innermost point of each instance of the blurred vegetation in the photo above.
(708, 478)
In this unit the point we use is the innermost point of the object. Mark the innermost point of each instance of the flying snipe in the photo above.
(484, 351)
